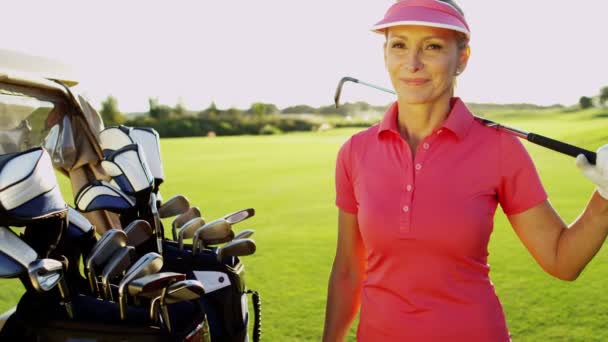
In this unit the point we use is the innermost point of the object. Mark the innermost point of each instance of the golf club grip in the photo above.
(561, 147)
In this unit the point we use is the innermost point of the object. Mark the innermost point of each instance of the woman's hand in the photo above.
(597, 173)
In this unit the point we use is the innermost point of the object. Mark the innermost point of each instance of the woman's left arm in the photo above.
(560, 250)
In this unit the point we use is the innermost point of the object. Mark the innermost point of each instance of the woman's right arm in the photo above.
(344, 292)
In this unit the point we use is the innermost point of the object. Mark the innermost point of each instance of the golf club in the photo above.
(148, 264)
(235, 248)
(183, 218)
(45, 274)
(214, 232)
(115, 267)
(185, 290)
(534, 138)
(174, 206)
(110, 242)
(152, 286)
(244, 234)
(239, 215)
(188, 229)
(138, 232)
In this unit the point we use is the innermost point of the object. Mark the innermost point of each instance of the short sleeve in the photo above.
(520, 186)
(345, 194)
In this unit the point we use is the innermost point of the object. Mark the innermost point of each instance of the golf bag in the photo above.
(226, 296)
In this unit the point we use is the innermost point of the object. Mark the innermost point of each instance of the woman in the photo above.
(418, 192)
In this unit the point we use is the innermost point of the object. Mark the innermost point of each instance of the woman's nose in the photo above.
(413, 63)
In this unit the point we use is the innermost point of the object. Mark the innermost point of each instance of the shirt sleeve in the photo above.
(520, 186)
(345, 194)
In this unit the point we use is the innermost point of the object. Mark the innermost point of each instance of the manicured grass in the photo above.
(288, 179)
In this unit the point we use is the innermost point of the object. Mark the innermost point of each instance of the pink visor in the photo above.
(432, 13)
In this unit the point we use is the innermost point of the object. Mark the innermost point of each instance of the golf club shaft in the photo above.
(534, 138)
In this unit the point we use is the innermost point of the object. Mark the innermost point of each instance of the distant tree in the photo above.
(180, 109)
(585, 102)
(210, 112)
(299, 109)
(261, 109)
(158, 111)
(110, 113)
(603, 95)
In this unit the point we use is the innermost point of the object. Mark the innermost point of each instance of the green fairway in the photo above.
(289, 180)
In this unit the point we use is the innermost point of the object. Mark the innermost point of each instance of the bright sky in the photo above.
(294, 52)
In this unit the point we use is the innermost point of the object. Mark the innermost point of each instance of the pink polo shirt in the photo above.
(426, 222)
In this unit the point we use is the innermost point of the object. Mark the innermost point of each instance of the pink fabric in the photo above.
(426, 223)
(432, 12)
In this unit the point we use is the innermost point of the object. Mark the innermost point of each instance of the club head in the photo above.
(179, 221)
(236, 248)
(239, 215)
(151, 285)
(138, 232)
(243, 234)
(174, 206)
(115, 267)
(15, 254)
(183, 291)
(215, 230)
(339, 88)
(188, 229)
(147, 264)
(45, 274)
(108, 244)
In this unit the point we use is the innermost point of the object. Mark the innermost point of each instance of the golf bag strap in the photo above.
(257, 315)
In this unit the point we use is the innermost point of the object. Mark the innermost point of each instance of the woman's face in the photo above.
(422, 62)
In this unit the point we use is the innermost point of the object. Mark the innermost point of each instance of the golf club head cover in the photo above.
(28, 188)
(128, 168)
(116, 137)
(100, 195)
(597, 173)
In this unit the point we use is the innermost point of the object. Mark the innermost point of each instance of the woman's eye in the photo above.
(436, 47)
(398, 45)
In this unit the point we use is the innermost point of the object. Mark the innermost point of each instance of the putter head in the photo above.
(117, 265)
(100, 195)
(111, 241)
(239, 215)
(188, 229)
(243, 234)
(138, 232)
(181, 219)
(15, 254)
(45, 274)
(236, 248)
(147, 264)
(176, 205)
(211, 233)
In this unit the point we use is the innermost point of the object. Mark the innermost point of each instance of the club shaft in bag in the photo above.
(534, 138)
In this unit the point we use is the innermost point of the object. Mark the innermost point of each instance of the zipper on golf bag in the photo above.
(257, 315)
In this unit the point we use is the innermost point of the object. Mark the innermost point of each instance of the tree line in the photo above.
(259, 118)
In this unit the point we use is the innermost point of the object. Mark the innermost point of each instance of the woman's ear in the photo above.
(463, 59)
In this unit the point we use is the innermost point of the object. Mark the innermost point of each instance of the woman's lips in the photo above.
(414, 81)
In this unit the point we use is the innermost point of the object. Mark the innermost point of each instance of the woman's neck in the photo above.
(416, 121)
